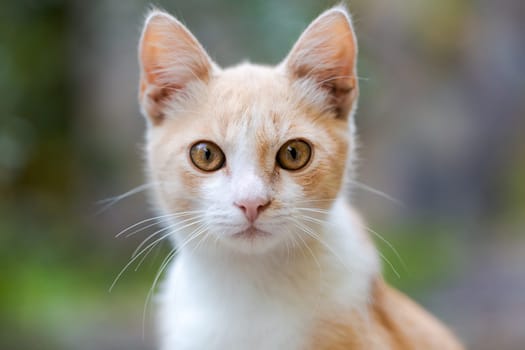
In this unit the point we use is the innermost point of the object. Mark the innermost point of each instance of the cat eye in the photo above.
(294, 155)
(207, 156)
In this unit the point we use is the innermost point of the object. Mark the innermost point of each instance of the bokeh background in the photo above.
(441, 120)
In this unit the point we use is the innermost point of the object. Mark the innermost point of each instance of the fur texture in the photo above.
(303, 274)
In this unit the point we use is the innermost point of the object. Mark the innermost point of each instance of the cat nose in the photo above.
(253, 207)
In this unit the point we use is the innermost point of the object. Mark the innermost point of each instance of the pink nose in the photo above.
(252, 207)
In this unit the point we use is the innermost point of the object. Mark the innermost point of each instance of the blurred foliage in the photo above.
(407, 263)
(36, 99)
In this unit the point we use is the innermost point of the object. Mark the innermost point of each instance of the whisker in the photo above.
(377, 234)
(145, 256)
(167, 228)
(305, 244)
(109, 202)
(318, 266)
(159, 218)
(390, 264)
(163, 265)
(314, 220)
(315, 210)
(197, 221)
(287, 243)
(377, 192)
(196, 233)
(205, 236)
(306, 229)
(134, 258)
(390, 245)
(299, 245)
(138, 249)
(316, 200)
(140, 229)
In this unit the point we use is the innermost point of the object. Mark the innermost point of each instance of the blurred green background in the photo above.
(441, 121)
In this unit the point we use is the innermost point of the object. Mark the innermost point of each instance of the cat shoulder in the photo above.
(392, 321)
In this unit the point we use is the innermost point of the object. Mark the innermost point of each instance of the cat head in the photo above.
(250, 157)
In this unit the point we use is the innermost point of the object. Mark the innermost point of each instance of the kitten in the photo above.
(251, 163)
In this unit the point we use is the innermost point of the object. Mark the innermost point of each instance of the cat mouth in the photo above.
(251, 233)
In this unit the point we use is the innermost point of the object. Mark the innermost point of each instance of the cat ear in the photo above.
(326, 53)
(170, 59)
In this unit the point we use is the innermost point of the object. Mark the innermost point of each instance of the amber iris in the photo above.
(207, 156)
(294, 155)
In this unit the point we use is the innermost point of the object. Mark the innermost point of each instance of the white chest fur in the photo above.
(219, 301)
(229, 313)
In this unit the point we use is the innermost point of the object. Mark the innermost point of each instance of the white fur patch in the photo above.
(222, 300)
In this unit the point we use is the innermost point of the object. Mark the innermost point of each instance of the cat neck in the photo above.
(339, 266)
(209, 295)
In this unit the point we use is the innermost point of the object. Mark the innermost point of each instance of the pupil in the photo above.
(207, 153)
(293, 152)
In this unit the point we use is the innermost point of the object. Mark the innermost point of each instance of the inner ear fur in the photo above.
(326, 53)
(170, 58)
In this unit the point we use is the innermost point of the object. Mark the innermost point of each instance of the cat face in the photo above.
(249, 157)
